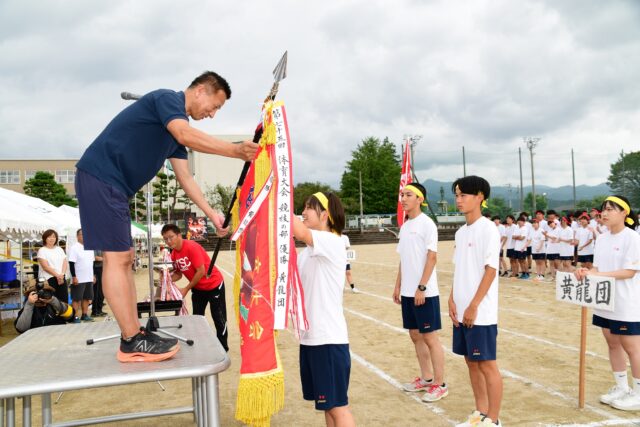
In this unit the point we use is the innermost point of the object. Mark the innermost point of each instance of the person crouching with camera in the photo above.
(42, 308)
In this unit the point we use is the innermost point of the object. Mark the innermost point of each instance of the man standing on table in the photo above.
(125, 156)
(191, 260)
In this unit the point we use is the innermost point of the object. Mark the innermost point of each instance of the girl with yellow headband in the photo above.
(617, 255)
(325, 362)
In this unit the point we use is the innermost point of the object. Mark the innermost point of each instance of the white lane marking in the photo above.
(631, 421)
(508, 331)
(388, 378)
(504, 372)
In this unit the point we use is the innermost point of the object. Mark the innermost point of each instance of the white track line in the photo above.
(504, 372)
(634, 421)
(518, 334)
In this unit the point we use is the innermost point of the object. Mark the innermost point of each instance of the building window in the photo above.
(30, 173)
(9, 177)
(65, 176)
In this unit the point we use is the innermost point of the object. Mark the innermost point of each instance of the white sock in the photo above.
(636, 385)
(621, 380)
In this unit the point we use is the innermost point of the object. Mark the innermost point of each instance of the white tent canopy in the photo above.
(135, 231)
(16, 220)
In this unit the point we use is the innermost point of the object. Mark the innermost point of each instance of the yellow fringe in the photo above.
(259, 397)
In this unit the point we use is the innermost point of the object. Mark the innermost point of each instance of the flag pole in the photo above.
(279, 74)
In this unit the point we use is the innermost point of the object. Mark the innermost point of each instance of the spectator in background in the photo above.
(42, 308)
(53, 265)
(82, 278)
(98, 296)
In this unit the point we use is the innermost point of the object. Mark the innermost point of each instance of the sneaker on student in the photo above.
(418, 384)
(355, 290)
(474, 419)
(76, 320)
(488, 422)
(86, 318)
(614, 393)
(629, 402)
(147, 347)
(435, 392)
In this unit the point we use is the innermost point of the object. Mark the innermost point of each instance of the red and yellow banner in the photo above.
(266, 280)
(405, 178)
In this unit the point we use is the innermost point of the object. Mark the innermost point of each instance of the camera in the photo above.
(42, 292)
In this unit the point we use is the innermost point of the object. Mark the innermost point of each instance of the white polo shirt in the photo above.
(621, 251)
(321, 268)
(477, 246)
(417, 236)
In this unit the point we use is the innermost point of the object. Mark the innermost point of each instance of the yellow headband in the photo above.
(324, 202)
(624, 205)
(417, 192)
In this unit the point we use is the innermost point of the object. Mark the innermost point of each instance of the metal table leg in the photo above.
(199, 398)
(46, 409)
(11, 412)
(213, 409)
(203, 403)
(26, 411)
(194, 398)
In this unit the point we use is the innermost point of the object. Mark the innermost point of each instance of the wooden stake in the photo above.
(583, 350)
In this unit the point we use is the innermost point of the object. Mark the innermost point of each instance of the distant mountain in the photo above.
(558, 197)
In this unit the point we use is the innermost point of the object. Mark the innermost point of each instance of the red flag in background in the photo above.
(405, 178)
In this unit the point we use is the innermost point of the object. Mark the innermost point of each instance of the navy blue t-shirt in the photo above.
(136, 143)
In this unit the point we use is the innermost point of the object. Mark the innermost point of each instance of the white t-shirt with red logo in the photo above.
(418, 236)
(477, 246)
(189, 258)
(620, 251)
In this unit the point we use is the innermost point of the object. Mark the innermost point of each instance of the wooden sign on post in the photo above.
(593, 291)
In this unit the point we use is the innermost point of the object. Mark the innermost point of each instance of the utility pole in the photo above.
(521, 186)
(573, 172)
(531, 144)
(361, 209)
(464, 163)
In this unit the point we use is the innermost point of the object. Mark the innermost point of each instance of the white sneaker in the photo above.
(628, 402)
(435, 392)
(418, 384)
(474, 419)
(614, 393)
(355, 290)
(488, 422)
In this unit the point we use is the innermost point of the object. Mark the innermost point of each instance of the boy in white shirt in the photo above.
(473, 303)
(521, 241)
(417, 291)
(503, 240)
(82, 278)
(585, 237)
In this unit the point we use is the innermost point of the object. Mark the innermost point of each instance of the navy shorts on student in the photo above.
(552, 257)
(519, 254)
(510, 253)
(104, 214)
(477, 343)
(617, 327)
(565, 258)
(324, 373)
(585, 258)
(348, 267)
(425, 318)
(538, 256)
(528, 250)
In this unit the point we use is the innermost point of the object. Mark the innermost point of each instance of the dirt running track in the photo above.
(537, 353)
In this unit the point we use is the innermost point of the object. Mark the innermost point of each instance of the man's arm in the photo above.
(471, 312)
(190, 187)
(429, 266)
(23, 322)
(197, 140)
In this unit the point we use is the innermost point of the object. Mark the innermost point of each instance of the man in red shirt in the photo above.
(191, 260)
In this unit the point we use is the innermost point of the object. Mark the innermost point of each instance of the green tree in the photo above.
(219, 196)
(379, 164)
(541, 203)
(303, 190)
(624, 178)
(138, 206)
(587, 204)
(44, 186)
(160, 196)
(498, 206)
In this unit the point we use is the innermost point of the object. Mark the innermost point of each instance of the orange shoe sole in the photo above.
(146, 357)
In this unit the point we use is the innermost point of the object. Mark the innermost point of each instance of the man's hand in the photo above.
(419, 298)
(74, 280)
(184, 291)
(453, 314)
(60, 279)
(469, 316)
(246, 150)
(218, 222)
(396, 294)
(33, 297)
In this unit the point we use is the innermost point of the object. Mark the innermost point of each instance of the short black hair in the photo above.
(631, 214)
(493, 218)
(335, 209)
(551, 212)
(539, 211)
(472, 185)
(214, 81)
(513, 218)
(170, 227)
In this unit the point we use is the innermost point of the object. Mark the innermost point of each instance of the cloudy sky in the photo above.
(479, 74)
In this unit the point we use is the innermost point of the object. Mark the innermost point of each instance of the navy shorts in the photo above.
(81, 291)
(617, 327)
(528, 250)
(585, 258)
(566, 258)
(425, 318)
(519, 254)
(501, 253)
(510, 253)
(552, 257)
(538, 256)
(324, 373)
(477, 343)
(104, 214)
(348, 267)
